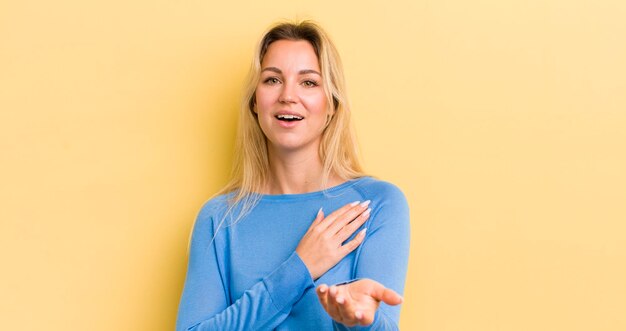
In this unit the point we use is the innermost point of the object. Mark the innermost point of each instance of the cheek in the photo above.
(264, 98)
(317, 109)
(264, 103)
(315, 103)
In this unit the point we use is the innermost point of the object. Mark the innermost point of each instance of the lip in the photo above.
(288, 124)
(288, 112)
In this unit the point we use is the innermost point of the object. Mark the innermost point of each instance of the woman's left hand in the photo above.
(356, 303)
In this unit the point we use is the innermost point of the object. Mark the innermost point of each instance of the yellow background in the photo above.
(503, 122)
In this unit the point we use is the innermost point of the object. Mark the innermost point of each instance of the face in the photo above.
(290, 100)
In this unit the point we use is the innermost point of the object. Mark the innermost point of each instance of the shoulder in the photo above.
(389, 204)
(210, 214)
(214, 205)
(379, 189)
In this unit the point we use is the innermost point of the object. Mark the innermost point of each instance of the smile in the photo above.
(289, 118)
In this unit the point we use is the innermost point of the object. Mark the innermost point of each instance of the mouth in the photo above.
(289, 117)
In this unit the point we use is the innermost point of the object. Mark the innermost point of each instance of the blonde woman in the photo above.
(300, 239)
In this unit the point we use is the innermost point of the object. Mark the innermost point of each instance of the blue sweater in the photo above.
(247, 276)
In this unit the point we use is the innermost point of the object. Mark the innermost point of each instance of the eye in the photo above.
(310, 83)
(271, 81)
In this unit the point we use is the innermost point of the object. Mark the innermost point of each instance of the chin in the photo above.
(290, 145)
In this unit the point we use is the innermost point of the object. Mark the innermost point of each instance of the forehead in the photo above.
(284, 54)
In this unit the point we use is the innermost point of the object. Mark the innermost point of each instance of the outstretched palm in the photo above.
(356, 303)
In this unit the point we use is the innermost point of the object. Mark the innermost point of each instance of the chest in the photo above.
(258, 244)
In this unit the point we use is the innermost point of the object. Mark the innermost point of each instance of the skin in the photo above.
(356, 303)
(291, 83)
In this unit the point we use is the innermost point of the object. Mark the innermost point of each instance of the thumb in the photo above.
(391, 298)
(386, 295)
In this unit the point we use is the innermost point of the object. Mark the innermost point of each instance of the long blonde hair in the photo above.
(338, 148)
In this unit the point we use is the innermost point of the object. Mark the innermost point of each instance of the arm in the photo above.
(205, 303)
(381, 265)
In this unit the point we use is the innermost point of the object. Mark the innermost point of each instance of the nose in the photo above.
(287, 94)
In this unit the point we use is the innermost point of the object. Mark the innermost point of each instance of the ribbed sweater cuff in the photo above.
(288, 282)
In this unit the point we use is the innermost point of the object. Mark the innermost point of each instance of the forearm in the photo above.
(383, 257)
(263, 306)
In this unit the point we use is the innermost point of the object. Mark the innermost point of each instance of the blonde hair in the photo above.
(338, 148)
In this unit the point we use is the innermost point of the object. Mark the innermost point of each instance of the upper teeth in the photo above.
(289, 117)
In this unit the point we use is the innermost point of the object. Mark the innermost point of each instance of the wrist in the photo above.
(308, 265)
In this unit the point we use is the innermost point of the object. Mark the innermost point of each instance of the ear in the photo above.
(252, 105)
(329, 117)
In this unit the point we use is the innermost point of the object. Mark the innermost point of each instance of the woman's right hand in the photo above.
(321, 246)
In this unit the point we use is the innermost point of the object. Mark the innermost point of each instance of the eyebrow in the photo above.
(301, 72)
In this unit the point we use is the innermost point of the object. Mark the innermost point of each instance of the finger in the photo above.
(318, 218)
(333, 308)
(349, 229)
(322, 295)
(364, 318)
(354, 243)
(359, 316)
(348, 217)
(347, 307)
(334, 215)
(333, 297)
(339, 300)
(386, 295)
(391, 297)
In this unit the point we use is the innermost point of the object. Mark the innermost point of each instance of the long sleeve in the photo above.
(205, 303)
(383, 256)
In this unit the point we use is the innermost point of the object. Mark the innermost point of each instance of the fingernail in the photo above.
(362, 233)
(354, 203)
(365, 203)
(358, 315)
(367, 212)
(340, 300)
(319, 212)
(322, 289)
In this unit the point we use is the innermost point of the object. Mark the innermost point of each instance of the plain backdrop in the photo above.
(502, 121)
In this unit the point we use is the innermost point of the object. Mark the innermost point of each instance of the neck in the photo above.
(294, 172)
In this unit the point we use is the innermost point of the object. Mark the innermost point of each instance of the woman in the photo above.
(263, 250)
